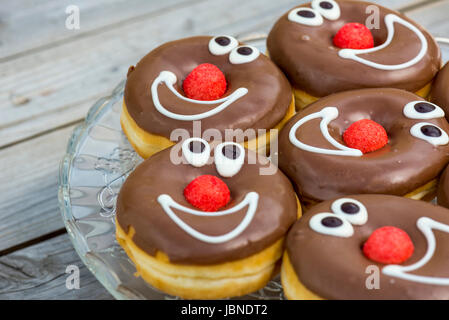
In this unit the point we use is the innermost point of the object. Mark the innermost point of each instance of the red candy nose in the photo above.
(389, 245)
(207, 193)
(205, 82)
(354, 36)
(365, 135)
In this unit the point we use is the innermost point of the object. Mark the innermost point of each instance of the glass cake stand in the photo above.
(97, 162)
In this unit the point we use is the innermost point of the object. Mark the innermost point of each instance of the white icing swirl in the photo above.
(314, 21)
(169, 78)
(196, 159)
(345, 230)
(226, 166)
(411, 113)
(390, 19)
(358, 218)
(218, 50)
(327, 114)
(416, 131)
(251, 200)
(237, 58)
(426, 225)
(331, 13)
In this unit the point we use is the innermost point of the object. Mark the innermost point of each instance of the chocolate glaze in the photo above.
(308, 57)
(334, 267)
(264, 105)
(137, 206)
(443, 189)
(400, 167)
(440, 90)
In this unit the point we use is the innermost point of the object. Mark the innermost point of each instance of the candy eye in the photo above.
(352, 210)
(229, 157)
(221, 45)
(430, 133)
(422, 110)
(306, 16)
(196, 151)
(243, 54)
(327, 8)
(331, 224)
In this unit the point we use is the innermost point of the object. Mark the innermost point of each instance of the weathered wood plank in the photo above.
(29, 188)
(39, 272)
(58, 88)
(53, 87)
(30, 25)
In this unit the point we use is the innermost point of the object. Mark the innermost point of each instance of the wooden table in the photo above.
(50, 76)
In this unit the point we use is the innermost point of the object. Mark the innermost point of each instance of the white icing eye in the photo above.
(327, 8)
(430, 133)
(243, 54)
(352, 210)
(331, 224)
(307, 16)
(422, 110)
(229, 157)
(196, 151)
(221, 45)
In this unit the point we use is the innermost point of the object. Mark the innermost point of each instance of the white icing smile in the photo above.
(390, 19)
(425, 225)
(251, 200)
(169, 78)
(327, 114)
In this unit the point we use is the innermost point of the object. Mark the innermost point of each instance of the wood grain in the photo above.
(52, 87)
(28, 199)
(39, 272)
(50, 78)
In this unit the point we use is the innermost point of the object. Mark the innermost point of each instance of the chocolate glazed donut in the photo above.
(305, 52)
(440, 90)
(411, 159)
(138, 207)
(262, 107)
(231, 246)
(325, 260)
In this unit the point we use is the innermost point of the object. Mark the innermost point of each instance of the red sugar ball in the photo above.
(205, 82)
(365, 135)
(207, 193)
(354, 36)
(388, 245)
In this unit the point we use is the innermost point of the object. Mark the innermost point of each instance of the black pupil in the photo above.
(326, 5)
(223, 41)
(424, 107)
(231, 152)
(431, 131)
(306, 14)
(196, 146)
(331, 222)
(246, 51)
(350, 208)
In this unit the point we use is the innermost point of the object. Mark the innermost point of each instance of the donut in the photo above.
(232, 87)
(399, 54)
(379, 141)
(440, 93)
(208, 226)
(368, 247)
